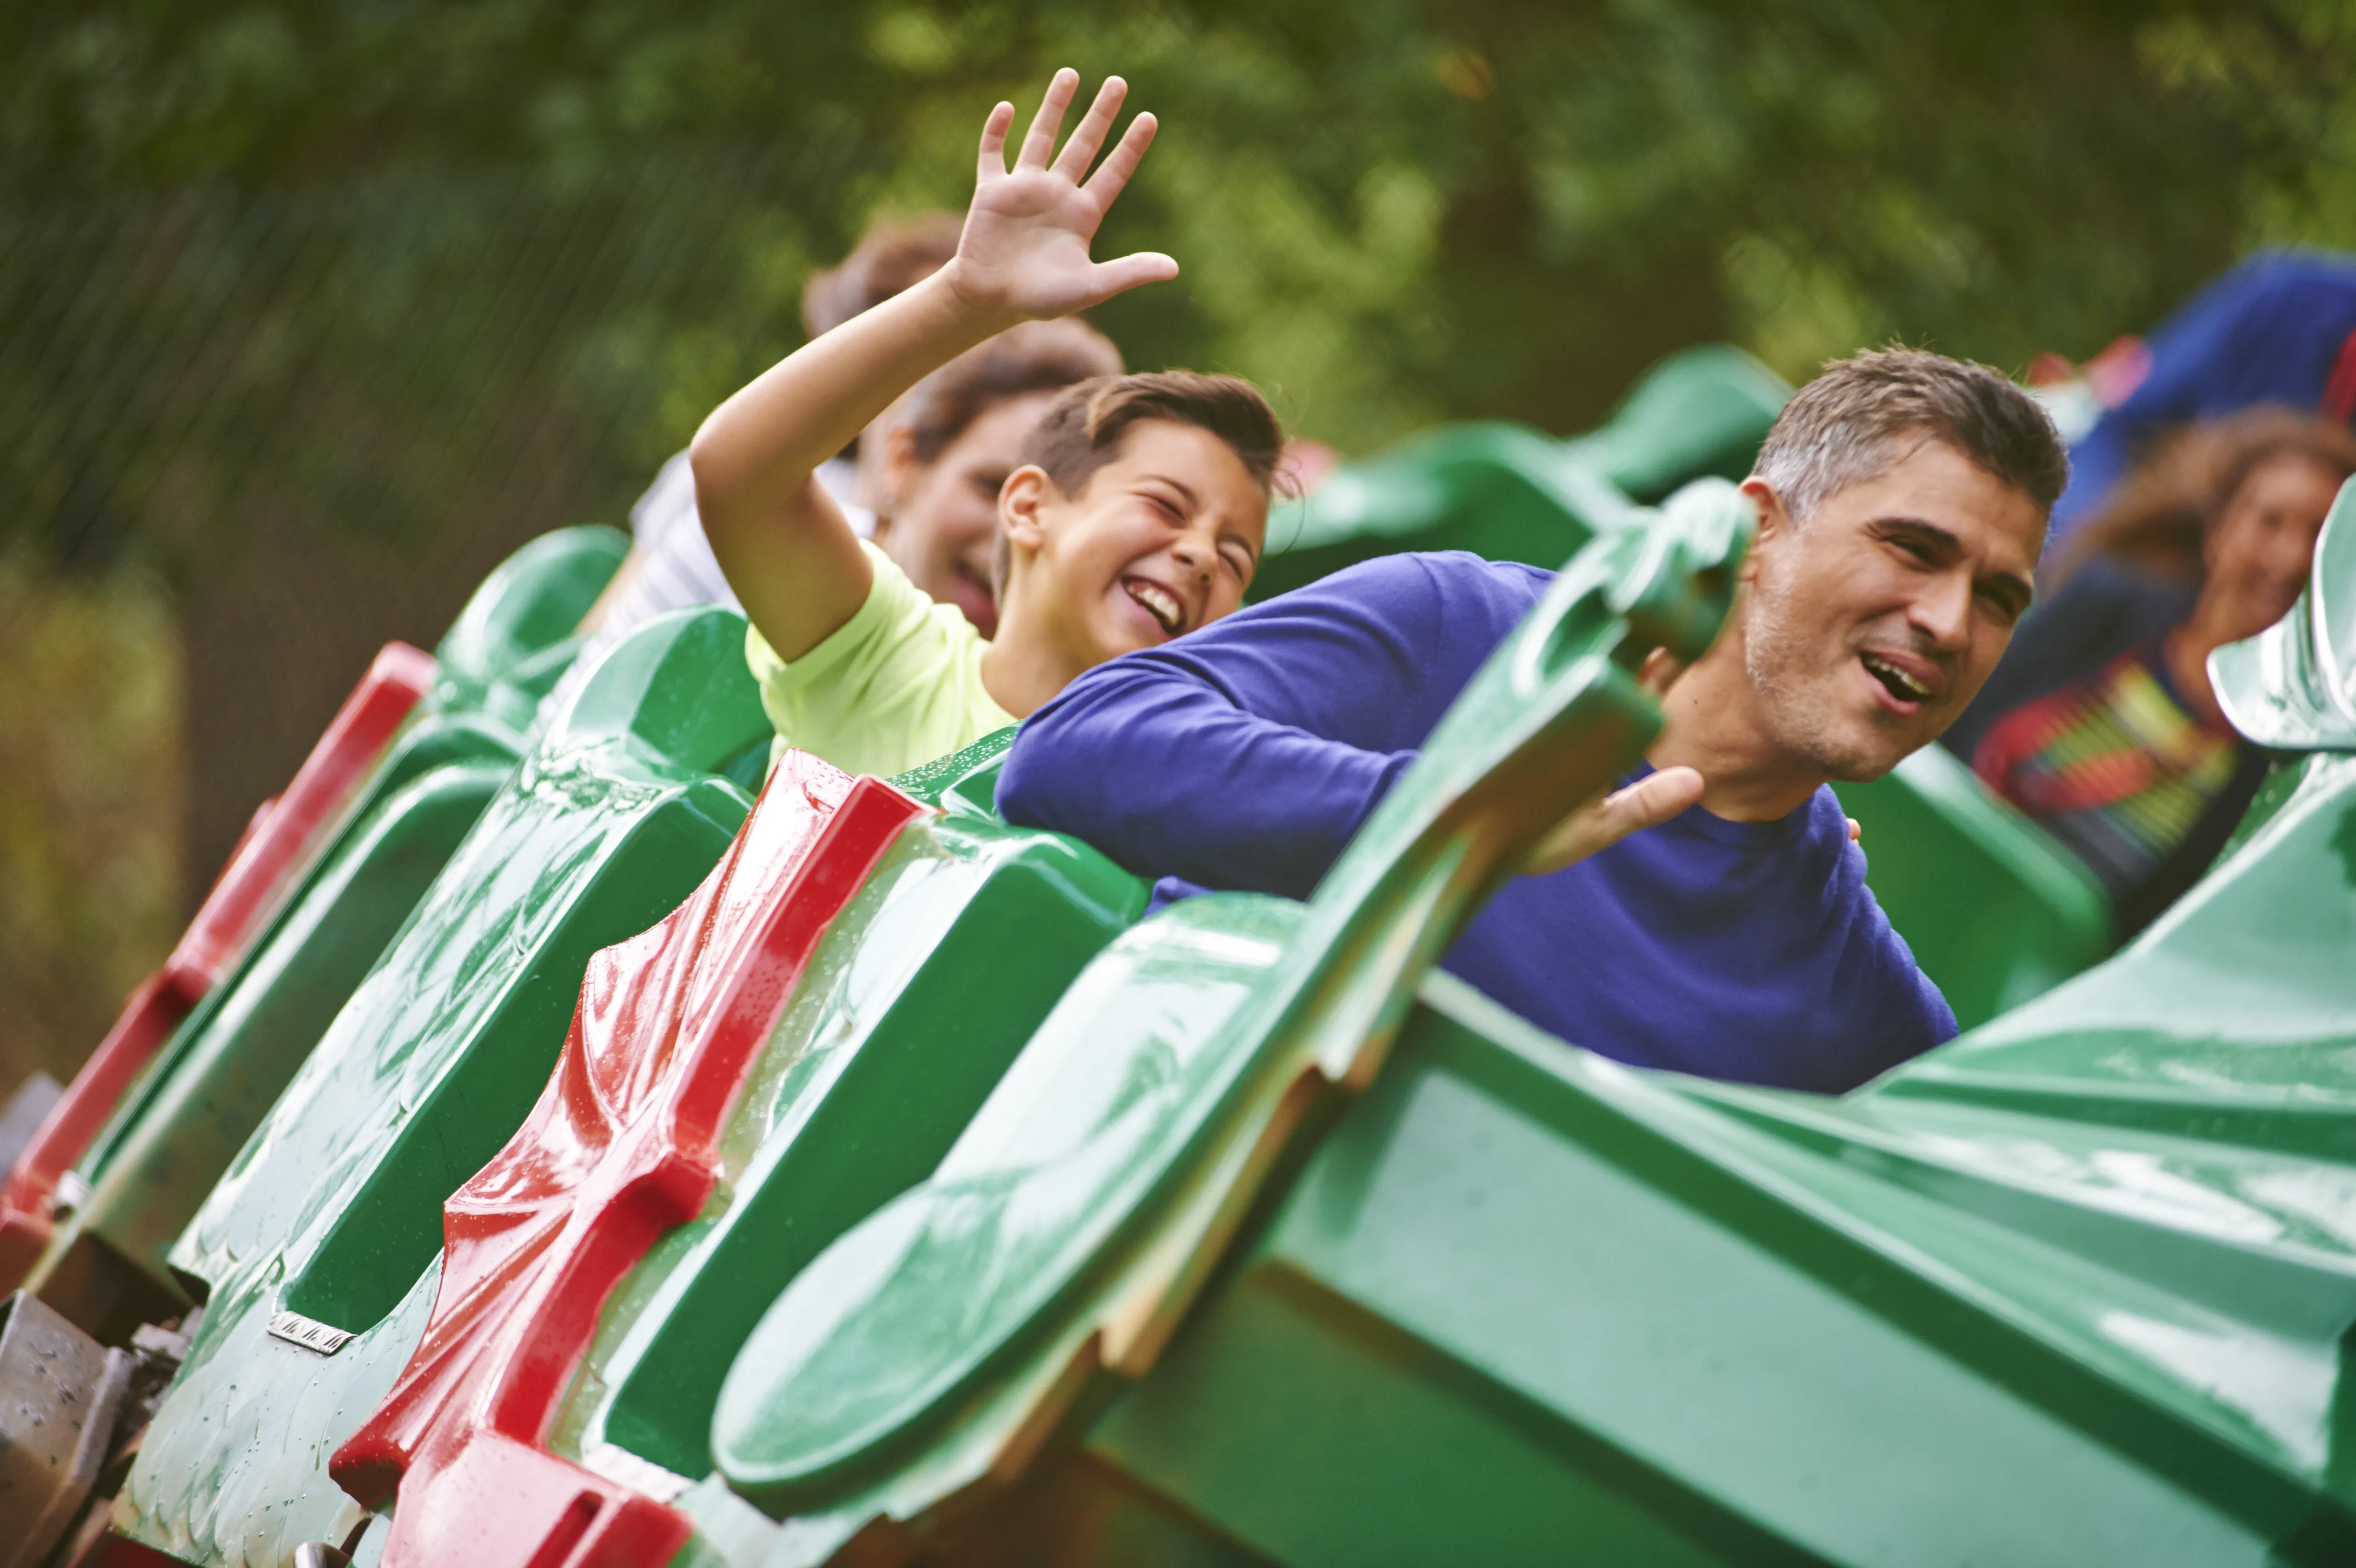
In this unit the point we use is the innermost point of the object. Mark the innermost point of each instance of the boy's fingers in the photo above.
(1049, 121)
(1121, 162)
(1089, 133)
(993, 142)
(1108, 277)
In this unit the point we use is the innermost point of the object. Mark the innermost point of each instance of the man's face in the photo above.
(1869, 626)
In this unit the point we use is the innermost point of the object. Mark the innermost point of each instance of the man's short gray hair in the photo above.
(1842, 429)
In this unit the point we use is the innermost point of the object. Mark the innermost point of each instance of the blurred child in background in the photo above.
(2101, 724)
(670, 565)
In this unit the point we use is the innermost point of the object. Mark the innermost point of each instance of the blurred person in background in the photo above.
(2101, 724)
(670, 565)
(2278, 329)
(945, 448)
(931, 464)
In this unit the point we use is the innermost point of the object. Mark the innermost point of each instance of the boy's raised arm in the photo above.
(786, 547)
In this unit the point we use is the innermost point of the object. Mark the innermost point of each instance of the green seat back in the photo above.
(1995, 911)
(332, 1211)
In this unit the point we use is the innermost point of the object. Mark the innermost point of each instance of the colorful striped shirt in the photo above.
(2116, 766)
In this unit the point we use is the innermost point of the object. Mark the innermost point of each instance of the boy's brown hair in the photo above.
(1082, 431)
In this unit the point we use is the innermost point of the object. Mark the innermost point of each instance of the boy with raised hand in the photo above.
(1138, 514)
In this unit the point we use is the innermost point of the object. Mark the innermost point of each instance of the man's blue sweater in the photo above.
(1246, 754)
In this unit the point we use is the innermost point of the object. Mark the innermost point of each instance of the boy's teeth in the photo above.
(1158, 603)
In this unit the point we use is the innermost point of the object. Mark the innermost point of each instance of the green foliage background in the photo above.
(1390, 212)
(390, 272)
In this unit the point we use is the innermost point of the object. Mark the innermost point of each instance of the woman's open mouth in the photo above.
(1157, 602)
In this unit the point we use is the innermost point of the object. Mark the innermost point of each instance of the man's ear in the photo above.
(1775, 523)
(1021, 501)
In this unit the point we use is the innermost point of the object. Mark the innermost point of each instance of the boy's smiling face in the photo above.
(1162, 538)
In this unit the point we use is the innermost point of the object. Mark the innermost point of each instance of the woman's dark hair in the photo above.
(2160, 515)
(1035, 356)
(893, 255)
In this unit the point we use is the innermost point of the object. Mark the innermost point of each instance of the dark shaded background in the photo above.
(309, 313)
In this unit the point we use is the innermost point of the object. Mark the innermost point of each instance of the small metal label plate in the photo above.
(70, 1196)
(296, 1329)
(641, 1476)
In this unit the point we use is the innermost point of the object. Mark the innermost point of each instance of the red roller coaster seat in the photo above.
(285, 835)
(621, 1147)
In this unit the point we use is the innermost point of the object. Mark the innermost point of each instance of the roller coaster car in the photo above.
(2071, 1289)
(2075, 1288)
(968, 940)
(1204, 1278)
(898, 1196)
(325, 1232)
(174, 1133)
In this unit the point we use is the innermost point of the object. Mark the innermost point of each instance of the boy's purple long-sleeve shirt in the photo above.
(1246, 754)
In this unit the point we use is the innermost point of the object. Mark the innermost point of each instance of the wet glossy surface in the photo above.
(620, 1148)
(333, 1208)
(1994, 910)
(924, 989)
(1179, 1065)
(172, 1138)
(2292, 686)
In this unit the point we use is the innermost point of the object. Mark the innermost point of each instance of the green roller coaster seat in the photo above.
(1501, 491)
(1701, 411)
(2078, 1287)
(328, 1224)
(1995, 910)
(2074, 1289)
(175, 1133)
(1506, 493)
(923, 989)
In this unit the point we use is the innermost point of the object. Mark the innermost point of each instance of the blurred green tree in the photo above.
(315, 311)
(1393, 212)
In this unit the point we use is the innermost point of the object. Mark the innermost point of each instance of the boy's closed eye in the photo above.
(1175, 508)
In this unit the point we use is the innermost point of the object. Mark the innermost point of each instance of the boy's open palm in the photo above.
(1025, 246)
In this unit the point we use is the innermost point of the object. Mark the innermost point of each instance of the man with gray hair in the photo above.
(1712, 916)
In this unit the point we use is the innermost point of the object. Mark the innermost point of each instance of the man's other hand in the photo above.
(1601, 824)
